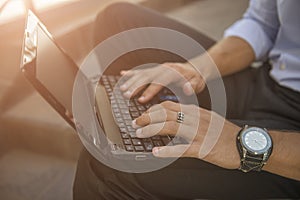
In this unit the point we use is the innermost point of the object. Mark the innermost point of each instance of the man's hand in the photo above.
(183, 74)
(162, 120)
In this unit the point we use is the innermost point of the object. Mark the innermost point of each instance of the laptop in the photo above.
(52, 73)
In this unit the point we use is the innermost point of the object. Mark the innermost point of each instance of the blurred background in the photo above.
(38, 149)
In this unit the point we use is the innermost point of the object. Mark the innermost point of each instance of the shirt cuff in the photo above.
(252, 33)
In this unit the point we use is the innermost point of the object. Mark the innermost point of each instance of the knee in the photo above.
(119, 8)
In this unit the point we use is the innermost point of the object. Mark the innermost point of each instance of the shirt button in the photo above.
(282, 67)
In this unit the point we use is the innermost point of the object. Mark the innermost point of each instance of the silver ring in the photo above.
(180, 117)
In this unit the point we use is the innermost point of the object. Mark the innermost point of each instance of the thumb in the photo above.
(170, 151)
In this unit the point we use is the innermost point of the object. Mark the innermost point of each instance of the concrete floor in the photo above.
(38, 150)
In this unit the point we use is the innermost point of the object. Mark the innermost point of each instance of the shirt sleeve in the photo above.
(259, 26)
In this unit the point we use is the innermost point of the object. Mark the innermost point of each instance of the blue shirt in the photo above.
(272, 28)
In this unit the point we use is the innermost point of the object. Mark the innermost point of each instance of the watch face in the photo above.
(256, 140)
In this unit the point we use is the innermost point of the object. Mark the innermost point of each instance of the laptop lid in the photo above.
(49, 69)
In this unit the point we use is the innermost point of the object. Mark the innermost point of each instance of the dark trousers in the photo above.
(252, 98)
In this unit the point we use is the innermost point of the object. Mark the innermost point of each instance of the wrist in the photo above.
(206, 67)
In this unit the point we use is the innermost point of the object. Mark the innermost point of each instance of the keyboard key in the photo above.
(123, 130)
(148, 146)
(125, 136)
(136, 142)
(118, 94)
(121, 101)
(136, 101)
(116, 110)
(117, 115)
(133, 109)
(128, 122)
(121, 125)
(139, 148)
(135, 115)
(131, 103)
(130, 129)
(146, 140)
(157, 143)
(113, 102)
(132, 134)
(119, 120)
(111, 97)
(129, 147)
(166, 140)
(114, 106)
(127, 117)
(123, 106)
(156, 137)
(125, 111)
(127, 141)
(141, 108)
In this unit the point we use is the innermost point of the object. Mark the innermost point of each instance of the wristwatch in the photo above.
(255, 147)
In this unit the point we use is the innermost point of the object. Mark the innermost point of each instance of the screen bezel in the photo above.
(29, 64)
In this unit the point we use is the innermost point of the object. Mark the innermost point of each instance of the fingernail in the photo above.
(127, 94)
(142, 98)
(123, 72)
(139, 132)
(123, 87)
(155, 151)
(188, 88)
(134, 125)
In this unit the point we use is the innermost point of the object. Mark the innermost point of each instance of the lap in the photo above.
(186, 178)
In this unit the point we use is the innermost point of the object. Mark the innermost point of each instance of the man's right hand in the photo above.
(154, 79)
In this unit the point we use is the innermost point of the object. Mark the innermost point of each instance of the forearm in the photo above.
(230, 55)
(285, 159)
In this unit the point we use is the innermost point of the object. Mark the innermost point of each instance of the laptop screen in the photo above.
(49, 69)
(54, 69)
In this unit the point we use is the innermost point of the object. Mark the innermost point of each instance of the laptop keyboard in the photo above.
(125, 111)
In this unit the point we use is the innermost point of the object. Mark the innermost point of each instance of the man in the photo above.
(267, 97)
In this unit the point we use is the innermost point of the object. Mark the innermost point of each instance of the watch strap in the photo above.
(251, 163)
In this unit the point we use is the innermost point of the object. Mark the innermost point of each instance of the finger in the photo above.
(127, 72)
(123, 72)
(166, 105)
(182, 150)
(169, 128)
(190, 88)
(150, 92)
(177, 107)
(157, 116)
(134, 91)
(128, 83)
(190, 111)
(198, 84)
(194, 85)
(160, 116)
(154, 108)
(164, 128)
(134, 85)
(170, 105)
(170, 151)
